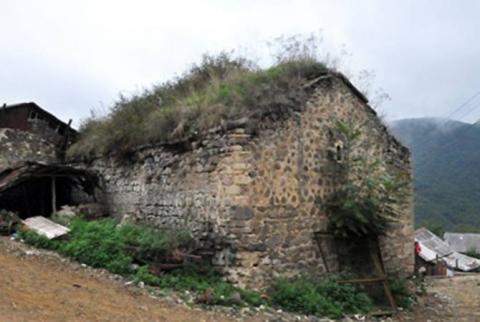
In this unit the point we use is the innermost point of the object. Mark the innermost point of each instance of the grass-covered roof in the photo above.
(219, 89)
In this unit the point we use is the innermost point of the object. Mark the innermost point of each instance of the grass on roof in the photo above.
(219, 89)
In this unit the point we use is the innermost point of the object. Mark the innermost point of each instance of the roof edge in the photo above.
(36, 106)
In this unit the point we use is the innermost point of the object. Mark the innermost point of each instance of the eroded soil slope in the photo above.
(43, 288)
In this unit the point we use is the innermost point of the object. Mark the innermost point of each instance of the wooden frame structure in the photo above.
(378, 275)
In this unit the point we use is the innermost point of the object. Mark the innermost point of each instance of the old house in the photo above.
(33, 180)
(29, 117)
(254, 195)
(29, 133)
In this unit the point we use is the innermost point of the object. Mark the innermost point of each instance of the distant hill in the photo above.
(446, 160)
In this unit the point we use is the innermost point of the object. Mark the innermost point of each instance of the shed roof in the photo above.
(433, 247)
(24, 171)
(35, 106)
(463, 242)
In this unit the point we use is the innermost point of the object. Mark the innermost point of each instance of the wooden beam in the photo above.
(54, 195)
(364, 280)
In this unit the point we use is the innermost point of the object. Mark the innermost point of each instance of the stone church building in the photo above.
(252, 195)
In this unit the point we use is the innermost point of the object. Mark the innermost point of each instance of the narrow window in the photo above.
(339, 151)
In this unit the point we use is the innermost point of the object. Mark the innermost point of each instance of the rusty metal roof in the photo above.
(24, 171)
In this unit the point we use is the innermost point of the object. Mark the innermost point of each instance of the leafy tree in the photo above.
(365, 202)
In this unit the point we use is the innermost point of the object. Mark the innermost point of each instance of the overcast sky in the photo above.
(74, 56)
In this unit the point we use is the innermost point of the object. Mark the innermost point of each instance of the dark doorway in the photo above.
(34, 197)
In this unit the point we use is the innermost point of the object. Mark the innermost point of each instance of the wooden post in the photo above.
(322, 253)
(376, 256)
(54, 196)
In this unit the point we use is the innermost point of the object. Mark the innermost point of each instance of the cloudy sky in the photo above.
(74, 56)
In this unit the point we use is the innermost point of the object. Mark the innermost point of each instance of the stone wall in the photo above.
(17, 146)
(286, 170)
(254, 196)
(49, 130)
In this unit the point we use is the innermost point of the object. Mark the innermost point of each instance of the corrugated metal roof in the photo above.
(462, 262)
(429, 240)
(45, 227)
(463, 242)
(432, 247)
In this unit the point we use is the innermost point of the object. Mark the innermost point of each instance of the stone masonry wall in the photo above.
(287, 169)
(254, 196)
(16, 146)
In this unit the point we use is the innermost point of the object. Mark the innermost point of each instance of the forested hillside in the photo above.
(446, 160)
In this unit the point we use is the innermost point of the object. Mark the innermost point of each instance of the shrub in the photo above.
(319, 296)
(98, 244)
(199, 280)
(102, 243)
(368, 193)
(37, 240)
(404, 297)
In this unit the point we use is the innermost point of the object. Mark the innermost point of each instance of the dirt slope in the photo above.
(38, 288)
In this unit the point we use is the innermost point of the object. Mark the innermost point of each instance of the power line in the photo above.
(451, 114)
(465, 131)
(462, 105)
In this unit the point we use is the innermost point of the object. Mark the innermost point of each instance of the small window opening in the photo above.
(33, 115)
(339, 151)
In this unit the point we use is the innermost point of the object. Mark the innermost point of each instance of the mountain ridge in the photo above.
(446, 166)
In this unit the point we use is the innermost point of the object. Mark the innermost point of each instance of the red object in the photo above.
(418, 248)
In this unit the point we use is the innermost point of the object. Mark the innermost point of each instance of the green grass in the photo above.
(219, 89)
(199, 280)
(319, 296)
(102, 244)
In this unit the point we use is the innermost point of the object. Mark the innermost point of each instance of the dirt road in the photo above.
(462, 296)
(42, 288)
(447, 300)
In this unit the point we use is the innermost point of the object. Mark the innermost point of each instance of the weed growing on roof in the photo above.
(220, 88)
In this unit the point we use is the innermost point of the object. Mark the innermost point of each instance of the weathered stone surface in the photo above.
(16, 146)
(257, 199)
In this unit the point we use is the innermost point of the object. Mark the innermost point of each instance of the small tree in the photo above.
(364, 203)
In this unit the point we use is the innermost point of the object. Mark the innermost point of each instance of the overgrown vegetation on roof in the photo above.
(219, 89)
